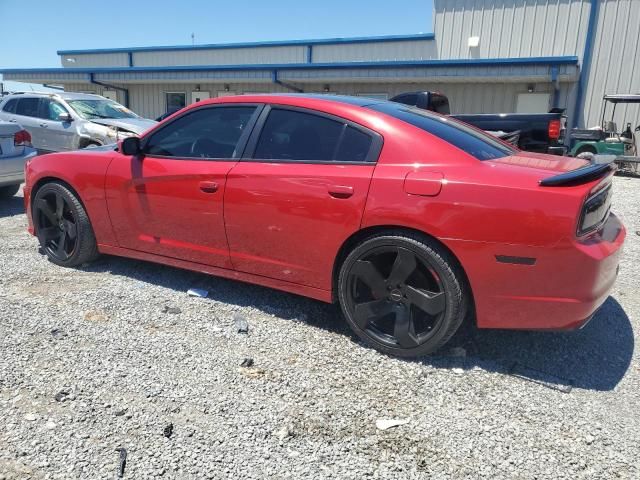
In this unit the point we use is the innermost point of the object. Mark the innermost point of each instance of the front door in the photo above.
(300, 195)
(57, 135)
(169, 200)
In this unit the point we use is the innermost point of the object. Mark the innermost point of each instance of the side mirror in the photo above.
(65, 117)
(130, 146)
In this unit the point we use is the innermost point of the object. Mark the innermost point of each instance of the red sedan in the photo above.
(410, 220)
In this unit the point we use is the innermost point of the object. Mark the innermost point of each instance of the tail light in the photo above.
(554, 129)
(596, 208)
(22, 139)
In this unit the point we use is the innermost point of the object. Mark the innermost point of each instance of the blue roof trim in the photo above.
(470, 62)
(276, 43)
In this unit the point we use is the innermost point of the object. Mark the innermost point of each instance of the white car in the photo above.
(66, 121)
(15, 150)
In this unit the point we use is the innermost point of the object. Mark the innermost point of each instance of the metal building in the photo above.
(487, 56)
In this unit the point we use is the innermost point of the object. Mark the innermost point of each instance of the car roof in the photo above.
(62, 95)
(297, 99)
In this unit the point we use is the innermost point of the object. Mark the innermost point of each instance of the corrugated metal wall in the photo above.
(510, 28)
(226, 56)
(95, 60)
(149, 100)
(615, 65)
(373, 52)
(339, 52)
(521, 28)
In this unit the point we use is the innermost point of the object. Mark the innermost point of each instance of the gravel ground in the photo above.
(117, 355)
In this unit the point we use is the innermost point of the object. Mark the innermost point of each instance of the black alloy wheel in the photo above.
(62, 226)
(403, 295)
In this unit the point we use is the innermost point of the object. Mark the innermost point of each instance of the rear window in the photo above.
(10, 106)
(28, 107)
(480, 145)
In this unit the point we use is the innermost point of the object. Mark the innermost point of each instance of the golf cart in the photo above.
(607, 141)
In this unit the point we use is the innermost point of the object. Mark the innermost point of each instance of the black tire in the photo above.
(63, 227)
(9, 191)
(414, 317)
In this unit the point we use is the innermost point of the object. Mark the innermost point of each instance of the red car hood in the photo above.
(539, 161)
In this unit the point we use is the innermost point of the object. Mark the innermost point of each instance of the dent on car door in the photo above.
(168, 201)
(302, 192)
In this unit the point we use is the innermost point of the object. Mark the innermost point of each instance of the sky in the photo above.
(32, 31)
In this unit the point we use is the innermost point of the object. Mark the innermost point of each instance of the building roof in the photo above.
(566, 60)
(278, 43)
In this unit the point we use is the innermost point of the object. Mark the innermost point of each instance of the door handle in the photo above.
(209, 187)
(340, 191)
(13, 120)
(44, 125)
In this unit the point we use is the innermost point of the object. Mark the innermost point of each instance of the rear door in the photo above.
(27, 114)
(169, 201)
(298, 193)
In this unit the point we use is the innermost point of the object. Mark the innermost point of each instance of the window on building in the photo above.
(175, 101)
(299, 136)
(205, 133)
(28, 107)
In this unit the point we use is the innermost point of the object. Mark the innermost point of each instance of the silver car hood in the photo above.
(135, 125)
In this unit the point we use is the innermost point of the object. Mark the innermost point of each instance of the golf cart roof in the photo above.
(623, 98)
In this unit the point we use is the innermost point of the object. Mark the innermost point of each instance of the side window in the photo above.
(440, 104)
(204, 133)
(28, 107)
(10, 106)
(50, 109)
(292, 135)
(409, 99)
(354, 147)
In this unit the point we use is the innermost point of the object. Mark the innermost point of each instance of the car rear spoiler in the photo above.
(579, 175)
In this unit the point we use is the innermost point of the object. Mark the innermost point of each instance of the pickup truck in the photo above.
(535, 132)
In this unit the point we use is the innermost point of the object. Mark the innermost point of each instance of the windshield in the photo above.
(476, 143)
(99, 108)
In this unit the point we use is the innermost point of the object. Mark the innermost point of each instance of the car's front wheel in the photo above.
(403, 294)
(62, 226)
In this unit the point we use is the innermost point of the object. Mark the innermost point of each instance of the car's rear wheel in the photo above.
(9, 191)
(62, 226)
(403, 294)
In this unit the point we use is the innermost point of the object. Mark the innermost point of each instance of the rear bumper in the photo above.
(557, 150)
(560, 291)
(17, 177)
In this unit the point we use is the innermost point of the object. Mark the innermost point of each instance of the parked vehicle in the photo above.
(410, 220)
(68, 121)
(607, 140)
(532, 132)
(15, 150)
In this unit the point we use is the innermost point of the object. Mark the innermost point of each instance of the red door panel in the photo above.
(288, 220)
(170, 206)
